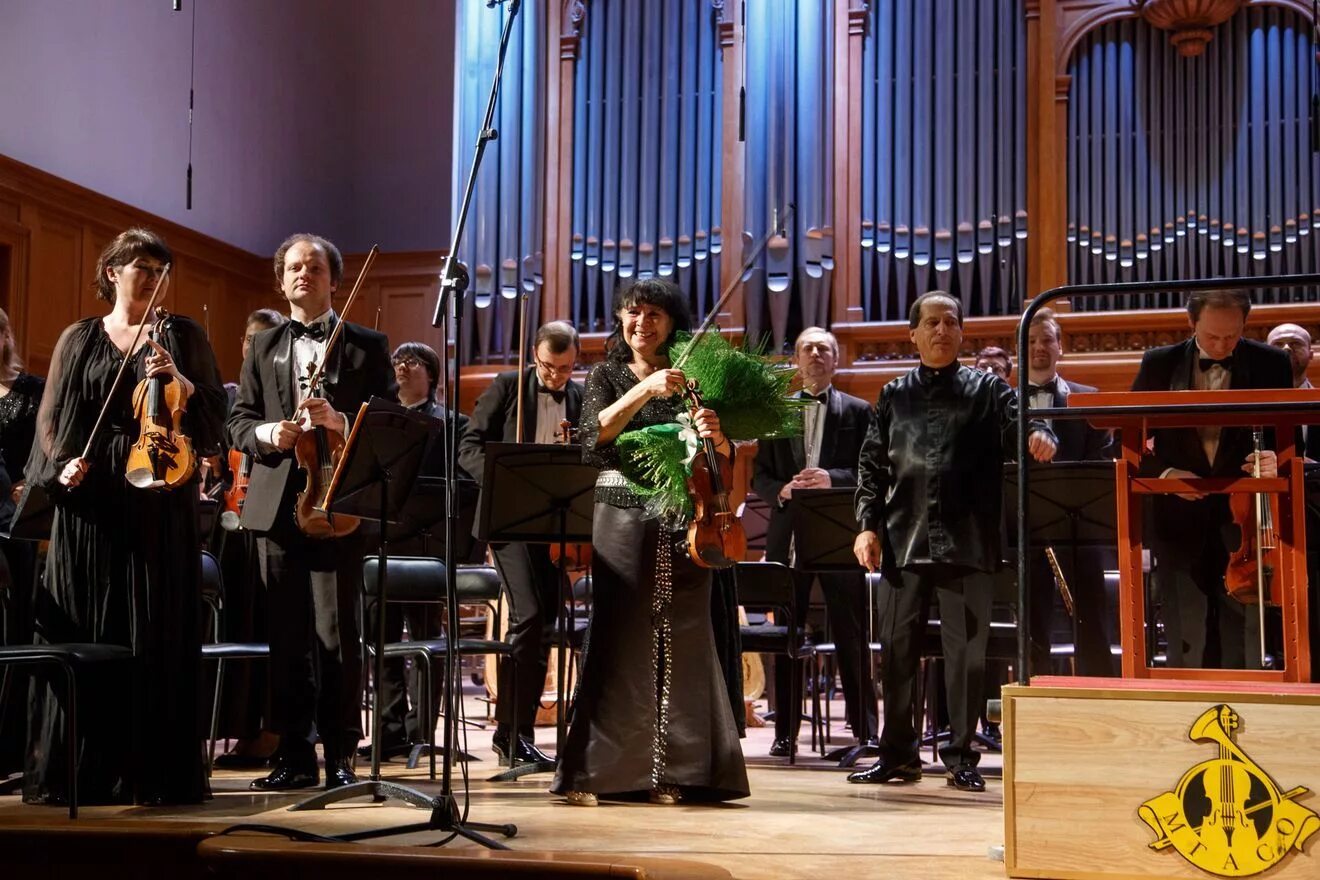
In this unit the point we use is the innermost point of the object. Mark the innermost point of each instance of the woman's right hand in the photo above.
(74, 472)
(664, 383)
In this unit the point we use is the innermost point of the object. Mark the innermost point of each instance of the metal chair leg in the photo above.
(215, 715)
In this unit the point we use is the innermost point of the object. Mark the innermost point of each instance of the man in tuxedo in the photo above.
(550, 396)
(825, 456)
(993, 359)
(1205, 627)
(1078, 441)
(311, 584)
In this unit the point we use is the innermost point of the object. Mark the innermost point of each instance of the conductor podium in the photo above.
(1110, 778)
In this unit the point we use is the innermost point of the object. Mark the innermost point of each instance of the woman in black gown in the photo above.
(651, 715)
(124, 566)
(20, 394)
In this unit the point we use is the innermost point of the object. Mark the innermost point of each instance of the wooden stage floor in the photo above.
(800, 822)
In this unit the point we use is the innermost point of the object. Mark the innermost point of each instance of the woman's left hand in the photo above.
(159, 362)
(707, 423)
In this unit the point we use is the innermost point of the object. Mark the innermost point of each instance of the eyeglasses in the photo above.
(406, 361)
(553, 370)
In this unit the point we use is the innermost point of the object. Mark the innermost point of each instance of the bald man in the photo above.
(1296, 341)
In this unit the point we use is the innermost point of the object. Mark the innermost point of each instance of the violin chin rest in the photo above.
(142, 478)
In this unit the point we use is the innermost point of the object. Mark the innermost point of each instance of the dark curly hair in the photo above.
(652, 292)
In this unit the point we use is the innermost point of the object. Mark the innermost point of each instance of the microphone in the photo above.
(178, 5)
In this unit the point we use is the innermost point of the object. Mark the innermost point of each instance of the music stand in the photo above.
(824, 529)
(33, 515)
(1071, 505)
(372, 481)
(538, 493)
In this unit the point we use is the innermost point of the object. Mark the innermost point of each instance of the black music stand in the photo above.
(538, 493)
(33, 515)
(824, 529)
(1071, 505)
(372, 481)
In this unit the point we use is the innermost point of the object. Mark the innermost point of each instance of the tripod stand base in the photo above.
(849, 755)
(377, 789)
(518, 771)
(423, 750)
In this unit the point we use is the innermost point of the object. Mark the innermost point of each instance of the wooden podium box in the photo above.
(1084, 757)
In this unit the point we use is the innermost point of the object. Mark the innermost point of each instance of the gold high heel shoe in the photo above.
(666, 795)
(581, 799)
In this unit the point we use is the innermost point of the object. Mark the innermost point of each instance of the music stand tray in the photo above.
(538, 493)
(824, 529)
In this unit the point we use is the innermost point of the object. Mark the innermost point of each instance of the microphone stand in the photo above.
(453, 286)
(445, 813)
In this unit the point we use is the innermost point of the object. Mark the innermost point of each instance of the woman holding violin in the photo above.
(651, 716)
(123, 566)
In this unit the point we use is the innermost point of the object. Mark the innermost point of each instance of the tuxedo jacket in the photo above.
(495, 418)
(1078, 440)
(358, 369)
(1177, 527)
(779, 460)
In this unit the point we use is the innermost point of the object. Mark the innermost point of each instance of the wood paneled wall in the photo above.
(51, 233)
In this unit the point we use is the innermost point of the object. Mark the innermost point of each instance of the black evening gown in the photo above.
(18, 421)
(123, 568)
(651, 707)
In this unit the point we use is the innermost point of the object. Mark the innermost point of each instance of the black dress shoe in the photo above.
(388, 751)
(965, 778)
(782, 747)
(526, 751)
(286, 776)
(338, 773)
(886, 770)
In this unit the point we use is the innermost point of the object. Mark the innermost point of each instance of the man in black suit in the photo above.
(311, 584)
(1205, 627)
(550, 396)
(1078, 441)
(825, 456)
(1296, 341)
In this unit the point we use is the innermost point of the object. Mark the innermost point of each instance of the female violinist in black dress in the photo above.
(651, 716)
(124, 565)
(20, 394)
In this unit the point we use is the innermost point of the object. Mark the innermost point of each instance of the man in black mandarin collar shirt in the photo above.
(929, 495)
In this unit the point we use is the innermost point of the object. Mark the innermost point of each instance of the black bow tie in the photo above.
(1207, 363)
(317, 331)
(822, 398)
(557, 396)
(1051, 386)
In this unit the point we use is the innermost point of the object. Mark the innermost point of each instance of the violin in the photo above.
(240, 468)
(715, 538)
(318, 452)
(162, 457)
(1250, 569)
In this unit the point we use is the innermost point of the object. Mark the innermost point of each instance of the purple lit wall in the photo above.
(324, 115)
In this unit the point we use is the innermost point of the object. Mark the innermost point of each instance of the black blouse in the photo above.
(18, 422)
(606, 383)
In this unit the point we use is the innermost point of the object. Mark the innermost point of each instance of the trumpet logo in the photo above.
(1227, 816)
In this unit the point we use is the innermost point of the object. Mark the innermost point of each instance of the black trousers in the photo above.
(1204, 626)
(532, 581)
(964, 597)
(846, 608)
(315, 650)
(1095, 623)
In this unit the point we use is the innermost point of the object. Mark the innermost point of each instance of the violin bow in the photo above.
(711, 316)
(161, 286)
(339, 325)
(522, 365)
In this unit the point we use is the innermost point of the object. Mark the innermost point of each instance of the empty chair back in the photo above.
(407, 578)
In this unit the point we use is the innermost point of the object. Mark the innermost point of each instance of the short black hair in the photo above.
(1217, 299)
(267, 318)
(427, 355)
(914, 313)
(652, 292)
(128, 246)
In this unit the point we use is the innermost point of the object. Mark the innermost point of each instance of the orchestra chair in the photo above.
(213, 595)
(69, 658)
(769, 586)
(1001, 646)
(421, 580)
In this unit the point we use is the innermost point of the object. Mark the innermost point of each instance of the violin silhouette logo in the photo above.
(1227, 816)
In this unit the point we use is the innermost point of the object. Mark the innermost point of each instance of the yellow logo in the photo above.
(1227, 816)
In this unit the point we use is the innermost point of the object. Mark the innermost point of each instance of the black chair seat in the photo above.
(75, 652)
(236, 651)
(769, 640)
(440, 646)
